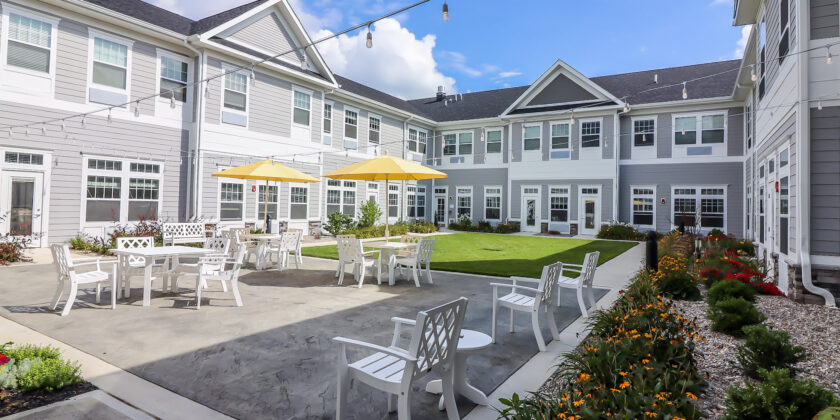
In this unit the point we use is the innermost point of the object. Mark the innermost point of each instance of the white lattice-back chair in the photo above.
(297, 250)
(393, 369)
(181, 233)
(66, 267)
(134, 266)
(343, 243)
(220, 247)
(583, 282)
(355, 254)
(530, 299)
(220, 268)
(285, 247)
(416, 260)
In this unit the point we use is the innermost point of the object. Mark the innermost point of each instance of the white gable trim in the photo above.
(560, 67)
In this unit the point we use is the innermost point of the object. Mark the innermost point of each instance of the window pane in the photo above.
(712, 136)
(560, 142)
(167, 87)
(110, 52)
(494, 136)
(173, 69)
(301, 116)
(297, 211)
(29, 31)
(235, 100)
(28, 57)
(532, 144)
(142, 210)
(102, 211)
(230, 211)
(108, 75)
(590, 141)
(532, 132)
(465, 144)
(302, 100)
(449, 144)
(237, 82)
(494, 147)
(689, 137)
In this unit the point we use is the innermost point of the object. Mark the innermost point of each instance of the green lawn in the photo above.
(503, 255)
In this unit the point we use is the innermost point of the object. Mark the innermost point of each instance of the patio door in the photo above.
(440, 209)
(590, 211)
(530, 219)
(770, 222)
(21, 204)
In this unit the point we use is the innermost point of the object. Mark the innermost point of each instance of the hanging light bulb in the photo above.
(573, 118)
(172, 100)
(819, 105)
(109, 115)
(63, 126)
(253, 77)
(303, 65)
(369, 42)
(445, 11)
(44, 130)
(206, 90)
(828, 57)
(10, 131)
(685, 92)
(27, 131)
(626, 106)
(137, 109)
(83, 120)
(753, 76)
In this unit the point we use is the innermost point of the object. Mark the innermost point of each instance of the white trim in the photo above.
(538, 217)
(568, 196)
(472, 200)
(261, 205)
(373, 148)
(445, 160)
(244, 201)
(128, 43)
(683, 160)
(301, 132)
(125, 175)
(46, 170)
(653, 196)
(162, 105)
(534, 154)
(551, 148)
(226, 67)
(308, 199)
(718, 149)
(589, 153)
(643, 152)
(22, 79)
(598, 211)
(698, 203)
(494, 158)
(484, 202)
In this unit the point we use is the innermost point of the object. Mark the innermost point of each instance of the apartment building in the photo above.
(746, 146)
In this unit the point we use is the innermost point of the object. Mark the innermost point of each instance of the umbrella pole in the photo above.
(387, 206)
(265, 207)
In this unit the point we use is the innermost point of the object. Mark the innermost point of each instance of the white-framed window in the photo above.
(341, 196)
(748, 215)
(465, 143)
(531, 135)
(373, 192)
(590, 134)
(644, 132)
(450, 144)
(748, 130)
(393, 200)
(644, 211)
(422, 138)
(761, 220)
(416, 201)
(351, 124)
(231, 200)
(273, 195)
(121, 191)
(493, 203)
(235, 95)
(23, 158)
(463, 197)
(493, 138)
(706, 202)
(706, 128)
(559, 204)
(327, 127)
(784, 32)
(110, 60)
(420, 213)
(761, 59)
(298, 202)
(301, 107)
(784, 199)
(29, 42)
(174, 77)
(374, 129)
(412, 140)
(561, 140)
(458, 146)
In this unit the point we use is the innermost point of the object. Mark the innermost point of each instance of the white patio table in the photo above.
(387, 249)
(152, 254)
(469, 343)
(263, 240)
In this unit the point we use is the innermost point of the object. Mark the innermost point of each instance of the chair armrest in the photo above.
(405, 321)
(375, 347)
(573, 270)
(530, 289)
(371, 252)
(528, 279)
(572, 265)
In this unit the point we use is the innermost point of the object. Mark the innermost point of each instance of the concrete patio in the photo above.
(272, 358)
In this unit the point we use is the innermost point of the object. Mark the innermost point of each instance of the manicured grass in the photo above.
(503, 255)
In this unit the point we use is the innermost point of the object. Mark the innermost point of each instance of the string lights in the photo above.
(445, 11)
(369, 42)
(828, 57)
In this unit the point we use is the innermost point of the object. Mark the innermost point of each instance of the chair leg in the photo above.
(298, 261)
(340, 274)
(98, 292)
(341, 393)
(494, 317)
(361, 275)
(198, 286)
(552, 323)
(234, 286)
(590, 297)
(429, 273)
(70, 298)
(558, 294)
(447, 380)
(114, 287)
(404, 406)
(391, 406)
(57, 296)
(511, 320)
(379, 271)
(581, 303)
(414, 275)
(224, 286)
(535, 323)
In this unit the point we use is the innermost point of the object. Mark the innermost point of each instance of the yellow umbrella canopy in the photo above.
(266, 170)
(386, 168)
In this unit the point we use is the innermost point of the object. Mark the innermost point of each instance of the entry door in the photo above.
(20, 208)
(530, 213)
(440, 209)
(770, 221)
(590, 210)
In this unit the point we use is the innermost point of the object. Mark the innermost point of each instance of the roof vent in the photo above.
(441, 93)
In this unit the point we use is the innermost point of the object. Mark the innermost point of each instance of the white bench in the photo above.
(183, 233)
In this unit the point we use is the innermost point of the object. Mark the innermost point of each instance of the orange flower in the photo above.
(624, 384)
(583, 377)
(578, 403)
(690, 395)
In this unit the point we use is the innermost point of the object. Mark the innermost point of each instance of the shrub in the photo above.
(30, 351)
(674, 280)
(710, 276)
(49, 375)
(729, 289)
(766, 348)
(422, 227)
(778, 397)
(731, 314)
(11, 248)
(509, 227)
(338, 223)
(620, 231)
(466, 225)
(369, 214)
(715, 233)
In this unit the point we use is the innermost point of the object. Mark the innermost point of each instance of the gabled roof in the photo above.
(246, 50)
(364, 91)
(475, 105)
(720, 84)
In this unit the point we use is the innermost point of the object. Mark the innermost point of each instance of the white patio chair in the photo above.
(342, 245)
(586, 274)
(393, 369)
(65, 266)
(136, 266)
(297, 250)
(353, 253)
(283, 247)
(221, 246)
(542, 298)
(421, 256)
(222, 268)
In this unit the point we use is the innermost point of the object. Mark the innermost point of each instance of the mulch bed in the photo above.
(12, 402)
(816, 328)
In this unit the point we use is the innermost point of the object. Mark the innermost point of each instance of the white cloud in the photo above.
(506, 74)
(399, 63)
(741, 45)
(719, 2)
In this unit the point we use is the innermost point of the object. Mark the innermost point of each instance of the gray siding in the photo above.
(71, 61)
(561, 90)
(825, 181)
(785, 133)
(607, 137)
(270, 106)
(269, 34)
(606, 186)
(773, 36)
(825, 19)
(664, 176)
(477, 179)
(144, 75)
(213, 99)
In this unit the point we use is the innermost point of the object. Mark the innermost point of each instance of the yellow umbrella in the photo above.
(267, 170)
(386, 168)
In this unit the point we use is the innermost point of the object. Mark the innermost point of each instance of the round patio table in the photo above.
(387, 249)
(469, 343)
(262, 240)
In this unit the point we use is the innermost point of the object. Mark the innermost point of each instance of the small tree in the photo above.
(369, 214)
(338, 223)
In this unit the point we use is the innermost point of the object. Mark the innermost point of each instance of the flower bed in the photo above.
(33, 376)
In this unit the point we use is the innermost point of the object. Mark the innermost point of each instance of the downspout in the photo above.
(509, 180)
(804, 142)
(403, 193)
(616, 145)
(193, 180)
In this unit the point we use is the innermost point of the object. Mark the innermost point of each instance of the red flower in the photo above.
(3, 359)
(769, 289)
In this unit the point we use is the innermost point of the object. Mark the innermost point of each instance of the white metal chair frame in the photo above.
(393, 369)
(183, 233)
(222, 268)
(342, 245)
(284, 247)
(420, 257)
(354, 253)
(66, 268)
(136, 266)
(222, 248)
(542, 298)
(586, 275)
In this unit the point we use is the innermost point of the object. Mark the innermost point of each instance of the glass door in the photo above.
(21, 205)
(530, 221)
(440, 210)
(591, 213)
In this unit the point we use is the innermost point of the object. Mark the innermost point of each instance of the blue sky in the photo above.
(489, 44)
